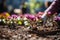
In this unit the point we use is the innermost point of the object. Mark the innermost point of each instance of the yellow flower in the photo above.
(7, 14)
(40, 21)
(20, 22)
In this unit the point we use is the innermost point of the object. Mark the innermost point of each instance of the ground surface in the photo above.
(22, 33)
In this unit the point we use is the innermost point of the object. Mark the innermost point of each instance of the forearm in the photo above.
(52, 8)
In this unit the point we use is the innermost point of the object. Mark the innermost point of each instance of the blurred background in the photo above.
(24, 6)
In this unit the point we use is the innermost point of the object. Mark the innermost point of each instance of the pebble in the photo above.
(22, 35)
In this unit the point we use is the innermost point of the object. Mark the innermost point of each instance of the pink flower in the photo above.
(49, 13)
(9, 17)
(14, 16)
(58, 18)
(40, 13)
(32, 17)
(55, 18)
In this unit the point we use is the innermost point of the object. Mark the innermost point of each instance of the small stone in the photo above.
(45, 39)
(29, 35)
(3, 35)
(40, 38)
(15, 36)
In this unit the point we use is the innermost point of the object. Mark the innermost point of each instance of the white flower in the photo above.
(26, 22)
(18, 18)
(3, 19)
(0, 20)
(11, 22)
(25, 18)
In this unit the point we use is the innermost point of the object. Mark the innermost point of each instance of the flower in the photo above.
(14, 16)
